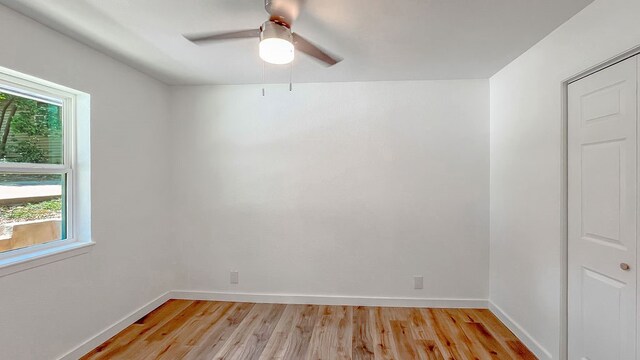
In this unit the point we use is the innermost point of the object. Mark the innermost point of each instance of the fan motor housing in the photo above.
(284, 11)
(271, 29)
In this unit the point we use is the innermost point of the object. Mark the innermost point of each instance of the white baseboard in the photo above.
(329, 299)
(533, 345)
(110, 331)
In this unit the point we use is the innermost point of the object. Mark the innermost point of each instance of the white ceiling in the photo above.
(379, 40)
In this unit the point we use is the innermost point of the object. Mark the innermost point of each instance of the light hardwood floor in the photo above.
(181, 329)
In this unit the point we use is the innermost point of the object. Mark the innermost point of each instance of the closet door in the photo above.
(603, 182)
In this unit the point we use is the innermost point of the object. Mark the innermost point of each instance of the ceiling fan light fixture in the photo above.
(276, 51)
(276, 44)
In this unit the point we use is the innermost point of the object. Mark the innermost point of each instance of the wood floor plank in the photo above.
(218, 334)
(276, 344)
(477, 332)
(403, 340)
(383, 340)
(462, 321)
(236, 345)
(165, 331)
(215, 313)
(292, 334)
(510, 342)
(297, 345)
(363, 345)
(432, 325)
(345, 331)
(253, 347)
(177, 344)
(419, 327)
(127, 341)
(450, 335)
(428, 350)
(203, 330)
(519, 350)
(490, 321)
(424, 335)
(331, 338)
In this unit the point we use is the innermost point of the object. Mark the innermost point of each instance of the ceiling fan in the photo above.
(277, 42)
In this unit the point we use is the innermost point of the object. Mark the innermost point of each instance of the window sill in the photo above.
(33, 257)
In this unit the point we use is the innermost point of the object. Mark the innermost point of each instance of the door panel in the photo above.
(600, 310)
(602, 175)
(603, 164)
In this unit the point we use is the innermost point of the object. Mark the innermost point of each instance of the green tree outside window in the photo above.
(30, 130)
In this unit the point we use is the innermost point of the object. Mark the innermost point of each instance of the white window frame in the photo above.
(76, 166)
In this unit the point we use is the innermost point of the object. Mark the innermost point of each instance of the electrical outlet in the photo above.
(233, 278)
(418, 282)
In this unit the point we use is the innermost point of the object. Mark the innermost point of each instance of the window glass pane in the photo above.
(31, 209)
(30, 130)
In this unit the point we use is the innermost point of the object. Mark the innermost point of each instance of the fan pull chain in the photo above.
(263, 65)
(291, 76)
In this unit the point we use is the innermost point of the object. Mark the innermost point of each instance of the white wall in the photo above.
(47, 311)
(527, 236)
(342, 189)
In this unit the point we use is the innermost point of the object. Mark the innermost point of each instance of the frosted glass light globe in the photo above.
(276, 51)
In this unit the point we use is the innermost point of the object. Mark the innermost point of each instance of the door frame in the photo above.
(564, 291)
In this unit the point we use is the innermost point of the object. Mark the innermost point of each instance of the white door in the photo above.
(603, 182)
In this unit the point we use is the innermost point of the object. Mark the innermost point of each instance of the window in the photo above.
(43, 181)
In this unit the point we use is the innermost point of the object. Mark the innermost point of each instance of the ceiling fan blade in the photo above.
(304, 45)
(243, 34)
